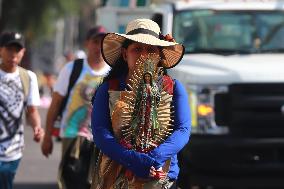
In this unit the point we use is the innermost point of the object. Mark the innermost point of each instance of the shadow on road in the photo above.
(34, 186)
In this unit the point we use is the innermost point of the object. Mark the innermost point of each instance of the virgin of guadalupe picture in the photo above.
(141, 120)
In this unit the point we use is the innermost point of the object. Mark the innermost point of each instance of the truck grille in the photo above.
(252, 109)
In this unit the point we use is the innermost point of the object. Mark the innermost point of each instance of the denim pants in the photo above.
(7, 173)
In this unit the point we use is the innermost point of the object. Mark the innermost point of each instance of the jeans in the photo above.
(7, 173)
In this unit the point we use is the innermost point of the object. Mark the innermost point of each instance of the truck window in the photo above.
(223, 32)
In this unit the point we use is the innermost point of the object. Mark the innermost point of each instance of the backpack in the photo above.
(77, 164)
(25, 80)
(75, 73)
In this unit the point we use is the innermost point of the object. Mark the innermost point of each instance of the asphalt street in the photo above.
(37, 171)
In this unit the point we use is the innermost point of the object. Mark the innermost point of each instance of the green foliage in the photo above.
(35, 17)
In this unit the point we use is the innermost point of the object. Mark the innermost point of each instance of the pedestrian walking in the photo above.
(141, 116)
(76, 83)
(19, 95)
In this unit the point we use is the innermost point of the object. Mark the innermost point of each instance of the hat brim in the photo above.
(16, 43)
(97, 35)
(112, 43)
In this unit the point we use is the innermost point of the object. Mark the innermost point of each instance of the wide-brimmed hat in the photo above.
(143, 31)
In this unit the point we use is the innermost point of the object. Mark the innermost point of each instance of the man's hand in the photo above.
(33, 118)
(47, 145)
(38, 133)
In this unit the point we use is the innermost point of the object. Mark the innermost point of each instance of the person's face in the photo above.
(134, 51)
(11, 55)
(69, 57)
(93, 46)
(147, 78)
(50, 80)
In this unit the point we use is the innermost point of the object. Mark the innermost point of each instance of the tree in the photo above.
(34, 17)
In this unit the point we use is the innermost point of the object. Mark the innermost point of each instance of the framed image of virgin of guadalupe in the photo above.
(141, 120)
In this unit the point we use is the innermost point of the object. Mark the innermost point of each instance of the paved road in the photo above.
(36, 171)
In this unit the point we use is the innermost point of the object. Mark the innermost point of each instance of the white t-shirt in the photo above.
(11, 110)
(77, 114)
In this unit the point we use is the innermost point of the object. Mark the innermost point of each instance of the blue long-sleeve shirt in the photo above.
(140, 163)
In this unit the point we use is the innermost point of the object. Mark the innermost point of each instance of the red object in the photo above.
(55, 132)
(125, 144)
(114, 84)
(129, 175)
(160, 175)
(168, 84)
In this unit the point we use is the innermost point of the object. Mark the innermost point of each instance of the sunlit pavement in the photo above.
(37, 171)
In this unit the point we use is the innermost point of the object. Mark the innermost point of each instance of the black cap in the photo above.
(95, 31)
(12, 38)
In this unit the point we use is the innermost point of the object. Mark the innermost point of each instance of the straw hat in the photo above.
(144, 31)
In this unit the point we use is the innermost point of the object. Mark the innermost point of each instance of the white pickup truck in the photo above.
(233, 69)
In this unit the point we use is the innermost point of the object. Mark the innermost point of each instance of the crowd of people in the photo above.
(121, 118)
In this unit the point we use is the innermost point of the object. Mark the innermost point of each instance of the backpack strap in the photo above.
(76, 71)
(25, 79)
